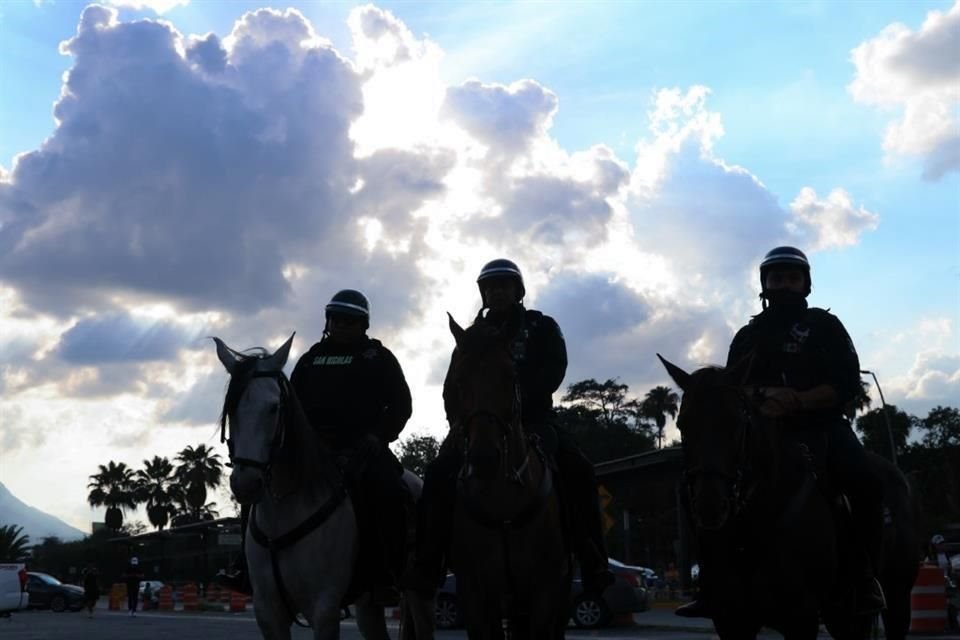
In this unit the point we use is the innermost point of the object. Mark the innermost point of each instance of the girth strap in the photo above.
(287, 539)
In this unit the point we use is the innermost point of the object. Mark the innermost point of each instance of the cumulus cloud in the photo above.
(194, 170)
(505, 118)
(918, 74)
(831, 223)
(159, 6)
(614, 331)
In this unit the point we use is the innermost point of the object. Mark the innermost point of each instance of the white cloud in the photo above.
(159, 6)
(831, 223)
(917, 73)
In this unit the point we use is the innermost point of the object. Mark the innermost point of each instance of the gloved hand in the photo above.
(779, 401)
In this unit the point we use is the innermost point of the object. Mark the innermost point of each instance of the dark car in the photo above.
(627, 594)
(46, 592)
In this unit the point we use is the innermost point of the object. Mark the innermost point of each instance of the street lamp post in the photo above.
(886, 416)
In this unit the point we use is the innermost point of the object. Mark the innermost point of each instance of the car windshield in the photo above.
(45, 578)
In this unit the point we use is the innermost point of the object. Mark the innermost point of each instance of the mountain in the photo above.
(36, 524)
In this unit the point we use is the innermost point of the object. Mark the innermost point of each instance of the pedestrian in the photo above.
(91, 588)
(132, 576)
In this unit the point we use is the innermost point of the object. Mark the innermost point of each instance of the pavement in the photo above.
(662, 618)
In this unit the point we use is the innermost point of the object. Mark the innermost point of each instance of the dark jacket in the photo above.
(132, 577)
(800, 348)
(351, 390)
(540, 355)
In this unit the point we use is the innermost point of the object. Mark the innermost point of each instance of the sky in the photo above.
(173, 170)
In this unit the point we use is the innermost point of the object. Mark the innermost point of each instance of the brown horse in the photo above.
(507, 546)
(768, 534)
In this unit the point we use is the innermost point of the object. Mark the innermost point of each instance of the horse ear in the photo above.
(457, 331)
(228, 357)
(279, 357)
(681, 377)
(740, 372)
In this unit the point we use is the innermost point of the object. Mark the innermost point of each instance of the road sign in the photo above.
(605, 496)
(608, 522)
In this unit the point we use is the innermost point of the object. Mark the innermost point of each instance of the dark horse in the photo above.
(507, 545)
(776, 545)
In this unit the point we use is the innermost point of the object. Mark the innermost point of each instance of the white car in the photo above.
(13, 588)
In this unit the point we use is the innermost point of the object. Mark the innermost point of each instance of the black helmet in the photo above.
(784, 257)
(500, 268)
(349, 302)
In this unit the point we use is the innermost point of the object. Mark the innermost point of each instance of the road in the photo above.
(106, 625)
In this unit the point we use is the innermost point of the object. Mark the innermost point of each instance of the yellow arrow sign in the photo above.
(608, 522)
(605, 496)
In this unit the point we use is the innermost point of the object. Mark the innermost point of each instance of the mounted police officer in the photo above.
(540, 357)
(353, 392)
(806, 370)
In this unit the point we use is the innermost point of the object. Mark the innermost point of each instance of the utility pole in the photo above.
(886, 415)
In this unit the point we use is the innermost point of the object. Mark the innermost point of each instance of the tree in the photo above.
(873, 426)
(942, 427)
(153, 488)
(417, 451)
(860, 402)
(658, 404)
(200, 469)
(13, 543)
(113, 487)
(608, 399)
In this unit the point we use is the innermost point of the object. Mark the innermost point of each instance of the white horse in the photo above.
(301, 539)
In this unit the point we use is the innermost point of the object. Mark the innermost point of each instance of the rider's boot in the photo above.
(869, 594)
(237, 579)
(581, 488)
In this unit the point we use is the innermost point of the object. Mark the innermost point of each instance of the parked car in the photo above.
(13, 588)
(446, 613)
(650, 576)
(154, 588)
(48, 592)
(627, 594)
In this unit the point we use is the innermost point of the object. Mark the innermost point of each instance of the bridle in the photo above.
(508, 428)
(737, 482)
(279, 428)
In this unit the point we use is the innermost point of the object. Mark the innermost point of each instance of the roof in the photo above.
(219, 523)
(671, 456)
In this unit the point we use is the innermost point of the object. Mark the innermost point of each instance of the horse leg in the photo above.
(417, 616)
(370, 619)
(896, 618)
(325, 618)
(273, 627)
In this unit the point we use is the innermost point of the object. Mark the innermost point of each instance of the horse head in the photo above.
(715, 433)
(484, 400)
(257, 411)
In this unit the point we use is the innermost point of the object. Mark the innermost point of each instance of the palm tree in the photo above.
(153, 488)
(657, 404)
(199, 469)
(13, 543)
(115, 488)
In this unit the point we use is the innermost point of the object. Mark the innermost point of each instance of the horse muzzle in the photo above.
(247, 484)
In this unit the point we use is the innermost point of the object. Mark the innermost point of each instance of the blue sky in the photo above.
(636, 158)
